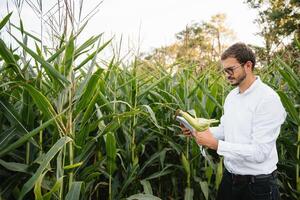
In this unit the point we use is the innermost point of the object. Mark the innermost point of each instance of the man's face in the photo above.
(234, 71)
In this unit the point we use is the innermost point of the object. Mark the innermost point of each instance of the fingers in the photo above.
(185, 131)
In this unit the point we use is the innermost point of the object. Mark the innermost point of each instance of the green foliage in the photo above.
(122, 128)
(279, 17)
(199, 44)
(279, 26)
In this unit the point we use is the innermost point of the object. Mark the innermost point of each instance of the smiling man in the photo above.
(246, 136)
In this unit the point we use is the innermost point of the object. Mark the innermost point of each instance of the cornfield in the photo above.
(75, 128)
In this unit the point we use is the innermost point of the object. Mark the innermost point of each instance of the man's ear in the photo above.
(249, 65)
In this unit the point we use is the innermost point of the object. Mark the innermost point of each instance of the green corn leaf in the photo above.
(147, 187)
(162, 158)
(6, 54)
(167, 95)
(16, 167)
(178, 148)
(290, 107)
(73, 166)
(54, 189)
(27, 33)
(21, 26)
(27, 112)
(290, 81)
(74, 192)
(92, 56)
(103, 101)
(188, 194)
(291, 77)
(89, 111)
(28, 136)
(201, 108)
(56, 54)
(159, 174)
(207, 93)
(153, 85)
(41, 101)
(87, 44)
(38, 187)
(113, 125)
(211, 105)
(204, 189)
(185, 163)
(143, 197)
(208, 173)
(89, 91)
(69, 56)
(37, 49)
(112, 65)
(12, 115)
(152, 116)
(163, 172)
(45, 162)
(131, 174)
(151, 160)
(7, 137)
(5, 20)
(157, 97)
(51, 71)
(86, 60)
(219, 173)
(87, 77)
(117, 121)
(111, 153)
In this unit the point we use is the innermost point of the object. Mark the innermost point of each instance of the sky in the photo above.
(148, 24)
(159, 20)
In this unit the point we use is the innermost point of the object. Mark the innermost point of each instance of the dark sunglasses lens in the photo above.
(228, 71)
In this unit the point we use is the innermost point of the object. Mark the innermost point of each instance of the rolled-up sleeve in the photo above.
(268, 118)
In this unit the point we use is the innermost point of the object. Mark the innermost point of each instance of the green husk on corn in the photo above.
(199, 124)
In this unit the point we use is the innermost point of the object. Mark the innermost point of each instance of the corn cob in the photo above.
(199, 124)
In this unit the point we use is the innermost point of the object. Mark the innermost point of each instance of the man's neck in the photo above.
(246, 83)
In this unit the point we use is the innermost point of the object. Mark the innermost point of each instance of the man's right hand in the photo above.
(185, 131)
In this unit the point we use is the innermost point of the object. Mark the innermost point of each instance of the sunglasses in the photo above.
(230, 70)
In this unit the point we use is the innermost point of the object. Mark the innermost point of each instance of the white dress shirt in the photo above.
(249, 128)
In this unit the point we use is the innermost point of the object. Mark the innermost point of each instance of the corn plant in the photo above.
(291, 100)
(82, 131)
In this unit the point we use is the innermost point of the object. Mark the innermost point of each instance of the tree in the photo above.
(279, 20)
(199, 44)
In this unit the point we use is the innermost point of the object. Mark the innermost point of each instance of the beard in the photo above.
(238, 80)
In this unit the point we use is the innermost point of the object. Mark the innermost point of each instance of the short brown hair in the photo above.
(241, 52)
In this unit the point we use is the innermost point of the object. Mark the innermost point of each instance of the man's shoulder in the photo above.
(266, 91)
(266, 95)
(234, 91)
(230, 95)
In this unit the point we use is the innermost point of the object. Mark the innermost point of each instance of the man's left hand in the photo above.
(207, 139)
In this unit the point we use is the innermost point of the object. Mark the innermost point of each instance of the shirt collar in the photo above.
(251, 88)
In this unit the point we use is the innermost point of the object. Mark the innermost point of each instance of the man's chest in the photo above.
(239, 114)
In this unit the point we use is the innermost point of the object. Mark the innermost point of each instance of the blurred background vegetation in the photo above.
(76, 126)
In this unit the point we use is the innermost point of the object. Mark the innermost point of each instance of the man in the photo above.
(249, 127)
